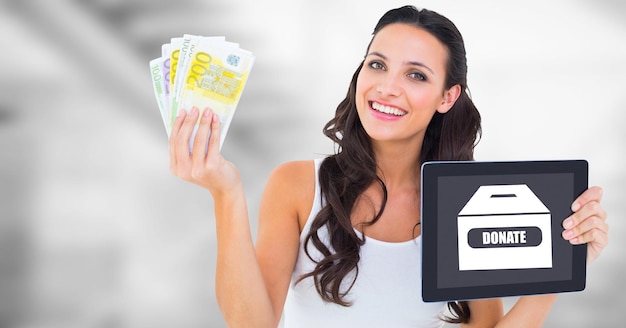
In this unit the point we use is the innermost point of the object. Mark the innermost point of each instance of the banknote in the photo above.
(184, 52)
(165, 70)
(160, 86)
(215, 79)
(174, 52)
(202, 72)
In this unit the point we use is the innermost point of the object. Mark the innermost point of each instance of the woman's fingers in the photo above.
(591, 194)
(201, 139)
(587, 225)
(214, 139)
(181, 144)
(587, 205)
(577, 234)
(178, 122)
(589, 215)
(206, 159)
(182, 141)
(204, 165)
(594, 235)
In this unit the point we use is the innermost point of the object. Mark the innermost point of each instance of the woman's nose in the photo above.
(389, 85)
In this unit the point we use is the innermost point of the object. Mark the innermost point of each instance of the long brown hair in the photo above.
(345, 175)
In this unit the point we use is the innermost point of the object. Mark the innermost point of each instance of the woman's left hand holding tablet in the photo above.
(588, 223)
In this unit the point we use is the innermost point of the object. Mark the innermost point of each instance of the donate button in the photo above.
(504, 237)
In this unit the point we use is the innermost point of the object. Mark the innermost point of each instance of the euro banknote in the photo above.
(202, 72)
(161, 90)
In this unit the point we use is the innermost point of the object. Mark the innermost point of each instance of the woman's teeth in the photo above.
(387, 110)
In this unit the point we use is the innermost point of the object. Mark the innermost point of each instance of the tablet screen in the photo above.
(493, 229)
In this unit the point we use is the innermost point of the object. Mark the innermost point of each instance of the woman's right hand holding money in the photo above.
(239, 283)
(203, 165)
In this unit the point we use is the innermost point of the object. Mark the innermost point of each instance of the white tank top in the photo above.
(387, 291)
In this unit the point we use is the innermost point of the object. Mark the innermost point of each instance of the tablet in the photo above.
(493, 229)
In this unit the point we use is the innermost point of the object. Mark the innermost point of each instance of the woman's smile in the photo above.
(386, 112)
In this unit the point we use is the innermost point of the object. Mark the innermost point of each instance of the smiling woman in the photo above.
(338, 237)
(409, 94)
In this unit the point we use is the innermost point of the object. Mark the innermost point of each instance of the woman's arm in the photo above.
(285, 207)
(484, 313)
(586, 225)
(528, 312)
(242, 293)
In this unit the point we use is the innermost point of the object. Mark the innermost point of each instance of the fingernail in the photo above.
(568, 223)
(206, 113)
(575, 206)
(180, 113)
(568, 234)
(194, 111)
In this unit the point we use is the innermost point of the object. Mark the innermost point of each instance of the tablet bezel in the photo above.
(430, 173)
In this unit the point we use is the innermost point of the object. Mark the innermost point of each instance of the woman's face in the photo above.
(401, 84)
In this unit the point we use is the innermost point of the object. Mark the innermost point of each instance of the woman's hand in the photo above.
(203, 165)
(588, 223)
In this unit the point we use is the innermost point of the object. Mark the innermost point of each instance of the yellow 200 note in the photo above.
(215, 79)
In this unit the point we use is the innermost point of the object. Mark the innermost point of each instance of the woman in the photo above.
(336, 243)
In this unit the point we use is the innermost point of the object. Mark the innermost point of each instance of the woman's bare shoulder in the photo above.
(295, 171)
(294, 178)
(293, 185)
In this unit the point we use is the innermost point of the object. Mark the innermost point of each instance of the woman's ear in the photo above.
(449, 98)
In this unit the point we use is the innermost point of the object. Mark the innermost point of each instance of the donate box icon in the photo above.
(504, 227)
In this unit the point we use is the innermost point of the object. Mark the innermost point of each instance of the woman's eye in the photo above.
(376, 65)
(417, 76)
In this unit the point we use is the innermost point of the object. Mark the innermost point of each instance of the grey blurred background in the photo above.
(95, 232)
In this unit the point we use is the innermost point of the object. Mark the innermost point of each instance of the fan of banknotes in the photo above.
(202, 72)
